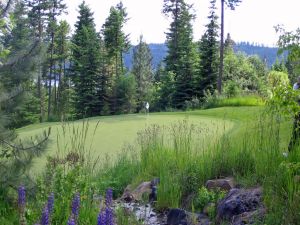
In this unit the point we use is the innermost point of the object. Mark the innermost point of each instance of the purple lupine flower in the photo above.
(45, 216)
(76, 205)
(109, 216)
(21, 196)
(71, 221)
(101, 218)
(50, 203)
(109, 197)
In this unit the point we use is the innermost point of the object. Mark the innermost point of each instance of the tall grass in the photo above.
(253, 155)
(221, 101)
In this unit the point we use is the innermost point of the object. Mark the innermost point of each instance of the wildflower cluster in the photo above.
(106, 216)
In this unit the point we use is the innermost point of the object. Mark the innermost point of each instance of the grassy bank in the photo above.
(243, 142)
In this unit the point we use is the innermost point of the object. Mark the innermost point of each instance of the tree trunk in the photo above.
(50, 76)
(221, 50)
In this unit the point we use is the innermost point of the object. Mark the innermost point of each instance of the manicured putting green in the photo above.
(115, 132)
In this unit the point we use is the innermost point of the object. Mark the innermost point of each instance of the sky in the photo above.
(252, 21)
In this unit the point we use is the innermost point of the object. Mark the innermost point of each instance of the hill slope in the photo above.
(159, 52)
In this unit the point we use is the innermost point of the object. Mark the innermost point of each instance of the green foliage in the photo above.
(289, 40)
(126, 94)
(248, 72)
(125, 218)
(231, 89)
(85, 64)
(208, 50)
(181, 58)
(284, 100)
(205, 197)
(213, 101)
(142, 71)
(277, 78)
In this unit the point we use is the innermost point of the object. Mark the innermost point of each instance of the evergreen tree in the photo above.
(38, 11)
(116, 44)
(16, 75)
(142, 70)
(56, 8)
(61, 97)
(20, 41)
(181, 57)
(209, 54)
(85, 64)
(228, 44)
(231, 4)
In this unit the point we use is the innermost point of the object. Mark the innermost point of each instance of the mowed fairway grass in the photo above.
(113, 133)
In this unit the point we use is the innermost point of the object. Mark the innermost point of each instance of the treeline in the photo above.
(268, 54)
(62, 76)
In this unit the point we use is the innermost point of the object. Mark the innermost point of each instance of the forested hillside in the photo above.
(159, 51)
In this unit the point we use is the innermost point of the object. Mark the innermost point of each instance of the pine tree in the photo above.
(61, 97)
(85, 64)
(16, 75)
(38, 11)
(116, 44)
(142, 70)
(231, 4)
(209, 54)
(56, 8)
(181, 58)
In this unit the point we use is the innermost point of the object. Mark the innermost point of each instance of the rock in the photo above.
(182, 217)
(239, 201)
(177, 217)
(148, 188)
(136, 194)
(249, 217)
(225, 184)
(127, 196)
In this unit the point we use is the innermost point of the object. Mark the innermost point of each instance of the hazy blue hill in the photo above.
(159, 51)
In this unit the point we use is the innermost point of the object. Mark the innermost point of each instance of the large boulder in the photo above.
(225, 184)
(239, 201)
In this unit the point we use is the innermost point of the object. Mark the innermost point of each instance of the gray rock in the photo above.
(182, 217)
(249, 217)
(225, 184)
(239, 201)
(177, 217)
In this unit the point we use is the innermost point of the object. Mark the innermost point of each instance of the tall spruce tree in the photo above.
(208, 69)
(143, 72)
(181, 57)
(231, 4)
(116, 44)
(85, 64)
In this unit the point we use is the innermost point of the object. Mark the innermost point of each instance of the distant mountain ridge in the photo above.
(159, 51)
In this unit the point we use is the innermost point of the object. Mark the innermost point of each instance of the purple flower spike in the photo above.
(71, 221)
(50, 203)
(109, 216)
(45, 216)
(21, 196)
(109, 197)
(76, 205)
(101, 218)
